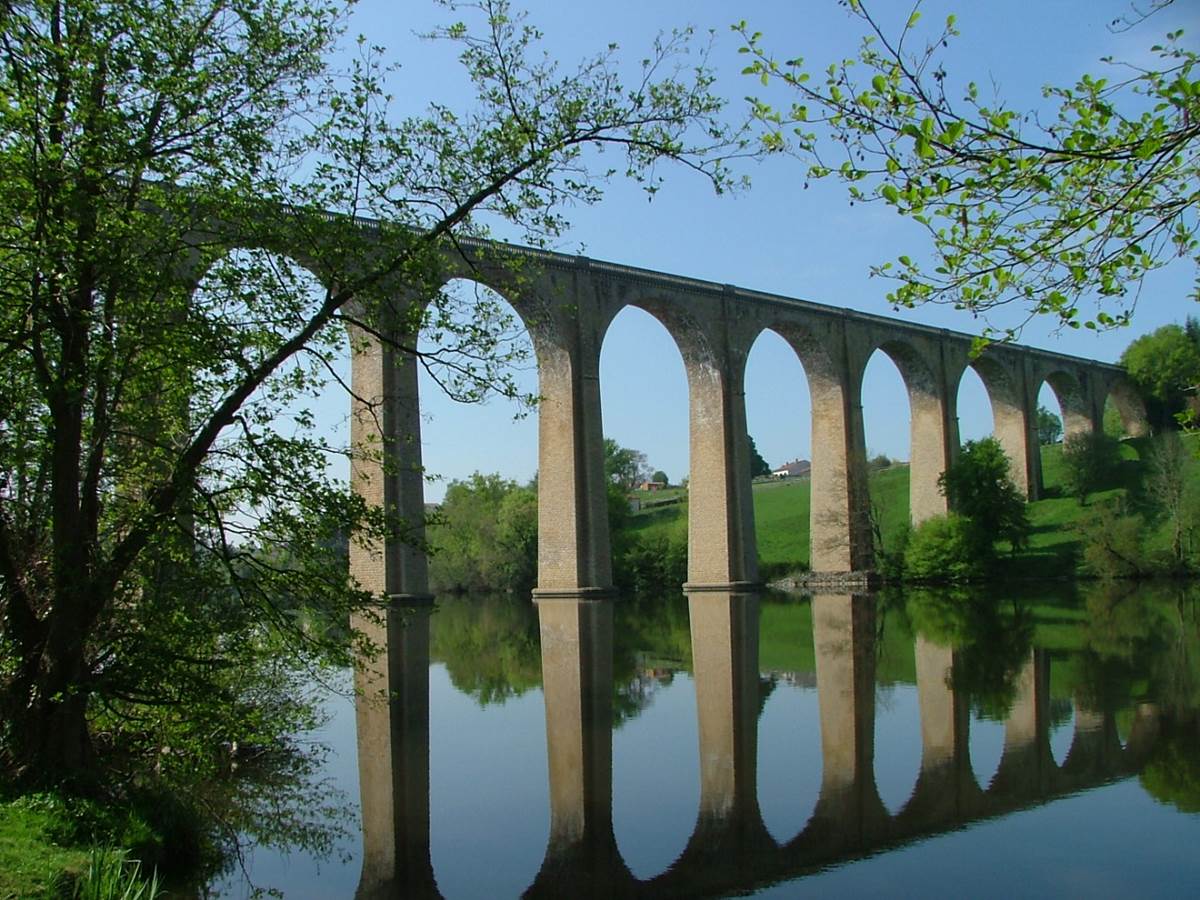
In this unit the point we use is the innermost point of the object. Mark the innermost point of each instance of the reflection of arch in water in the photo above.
(582, 858)
(1062, 728)
(849, 820)
(985, 738)
(789, 749)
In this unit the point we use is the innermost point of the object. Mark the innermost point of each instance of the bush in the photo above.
(942, 549)
(1114, 544)
(654, 564)
(485, 537)
(980, 489)
(1089, 462)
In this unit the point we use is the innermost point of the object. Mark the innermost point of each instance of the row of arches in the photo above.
(570, 310)
(688, 370)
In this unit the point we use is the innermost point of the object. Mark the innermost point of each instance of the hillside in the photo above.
(781, 511)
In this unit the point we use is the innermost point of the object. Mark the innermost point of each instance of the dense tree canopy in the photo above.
(143, 478)
(1165, 366)
(1045, 209)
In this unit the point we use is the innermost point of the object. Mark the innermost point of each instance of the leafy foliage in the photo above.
(1171, 486)
(1019, 206)
(981, 490)
(624, 466)
(1049, 426)
(758, 465)
(485, 536)
(1165, 366)
(1114, 543)
(1090, 459)
(942, 548)
(153, 147)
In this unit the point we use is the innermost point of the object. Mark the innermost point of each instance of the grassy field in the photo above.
(781, 514)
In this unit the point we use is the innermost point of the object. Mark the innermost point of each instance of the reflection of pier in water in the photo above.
(730, 850)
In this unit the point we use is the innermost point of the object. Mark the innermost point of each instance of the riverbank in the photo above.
(47, 852)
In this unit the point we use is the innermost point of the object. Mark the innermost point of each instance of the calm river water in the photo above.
(926, 743)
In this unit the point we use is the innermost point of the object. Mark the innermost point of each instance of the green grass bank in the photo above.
(781, 511)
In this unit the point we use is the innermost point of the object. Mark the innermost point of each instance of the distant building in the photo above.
(795, 469)
(651, 486)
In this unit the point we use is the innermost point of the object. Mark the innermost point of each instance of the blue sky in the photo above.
(779, 236)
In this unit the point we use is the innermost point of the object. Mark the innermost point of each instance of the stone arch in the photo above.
(839, 526)
(1078, 416)
(1012, 424)
(934, 437)
(972, 406)
(722, 551)
(779, 423)
(642, 370)
(1128, 403)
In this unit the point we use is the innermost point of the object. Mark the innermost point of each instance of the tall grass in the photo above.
(112, 875)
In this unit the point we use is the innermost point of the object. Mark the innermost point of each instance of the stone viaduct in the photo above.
(567, 304)
(730, 850)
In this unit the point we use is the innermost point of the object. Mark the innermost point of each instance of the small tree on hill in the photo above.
(623, 466)
(1089, 460)
(1049, 426)
(661, 477)
(1169, 486)
(980, 490)
(758, 465)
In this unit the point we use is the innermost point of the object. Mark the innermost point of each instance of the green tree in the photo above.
(143, 480)
(660, 476)
(1171, 486)
(979, 488)
(485, 536)
(1114, 543)
(624, 467)
(942, 548)
(879, 461)
(1089, 461)
(1165, 366)
(1036, 208)
(758, 465)
(1049, 426)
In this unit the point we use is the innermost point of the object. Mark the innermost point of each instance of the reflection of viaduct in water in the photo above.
(567, 304)
(730, 850)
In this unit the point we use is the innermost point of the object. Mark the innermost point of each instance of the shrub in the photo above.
(1114, 544)
(980, 489)
(653, 564)
(1089, 461)
(942, 549)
